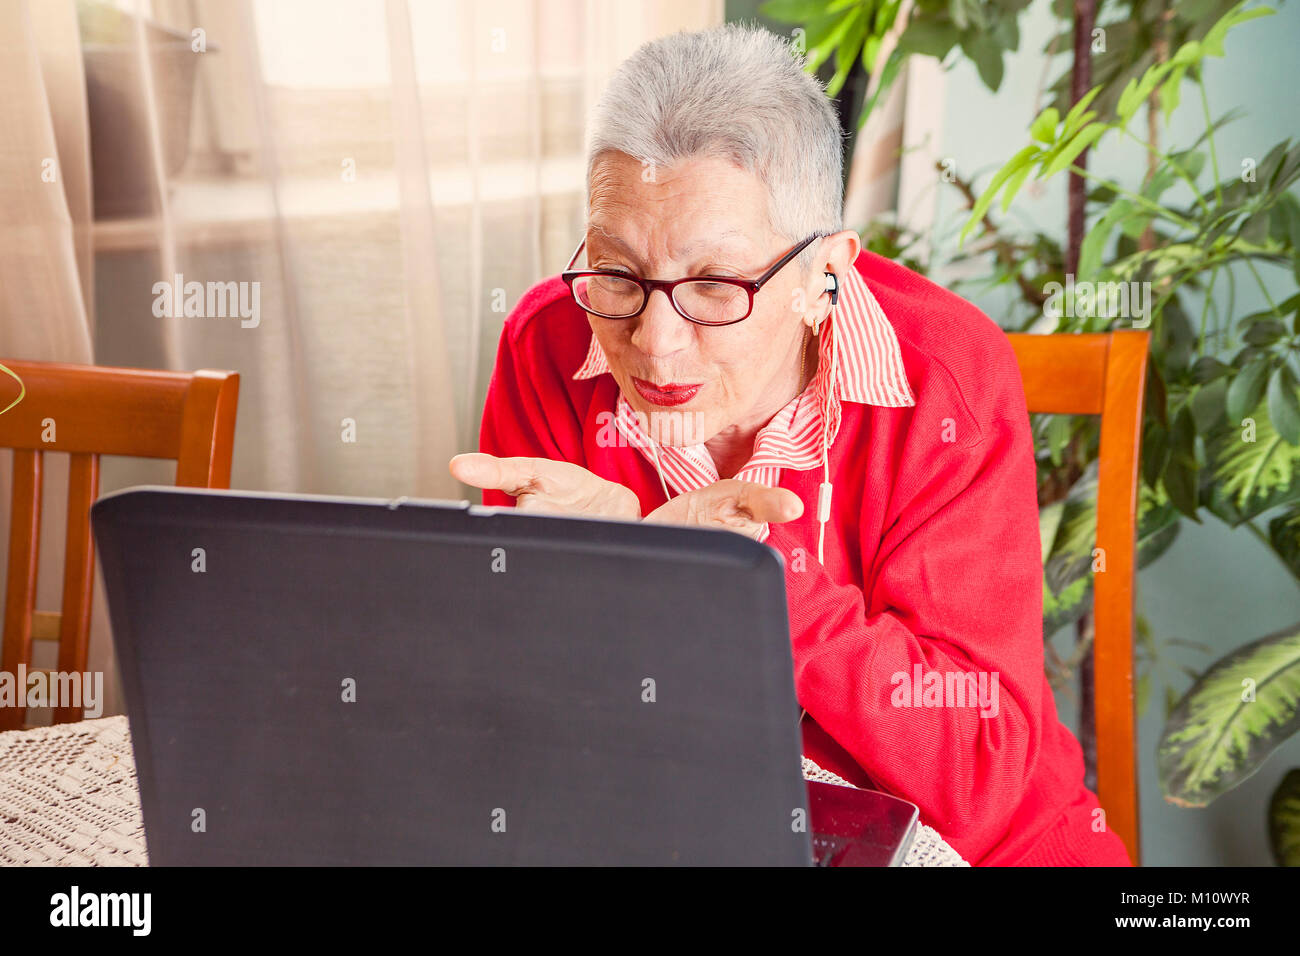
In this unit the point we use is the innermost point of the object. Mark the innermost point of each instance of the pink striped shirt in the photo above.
(869, 370)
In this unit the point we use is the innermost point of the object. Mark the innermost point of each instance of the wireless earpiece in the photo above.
(833, 287)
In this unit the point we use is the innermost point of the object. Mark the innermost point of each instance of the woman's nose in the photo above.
(660, 330)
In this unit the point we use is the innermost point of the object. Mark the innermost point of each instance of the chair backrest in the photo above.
(87, 411)
(1104, 374)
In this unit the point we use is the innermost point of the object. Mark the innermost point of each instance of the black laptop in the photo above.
(318, 680)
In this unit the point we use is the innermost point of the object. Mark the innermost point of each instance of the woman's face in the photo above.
(702, 217)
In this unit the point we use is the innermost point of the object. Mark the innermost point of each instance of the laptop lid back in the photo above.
(317, 680)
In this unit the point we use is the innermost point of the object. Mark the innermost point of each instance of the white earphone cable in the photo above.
(654, 450)
(826, 489)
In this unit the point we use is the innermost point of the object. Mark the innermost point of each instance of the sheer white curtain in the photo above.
(381, 180)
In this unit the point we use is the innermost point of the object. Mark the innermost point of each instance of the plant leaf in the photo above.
(1249, 477)
(987, 56)
(1014, 184)
(1094, 243)
(929, 37)
(1071, 150)
(1284, 403)
(846, 51)
(1128, 102)
(1284, 820)
(1067, 606)
(1207, 368)
(1213, 41)
(1215, 739)
(1067, 568)
(821, 52)
(1246, 389)
(1179, 481)
(1172, 91)
(792, 11)
(990, 193)
(1208, 405)
(1182, 472)
(1074, 118)
(1043, 128)
(1284, 536)
(1049, 519)
(887, 76)
(1058, 433)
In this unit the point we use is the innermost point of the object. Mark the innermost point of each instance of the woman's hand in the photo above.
(545, 486)
(742, 506)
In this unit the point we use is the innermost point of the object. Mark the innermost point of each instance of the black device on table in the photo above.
(322, 680)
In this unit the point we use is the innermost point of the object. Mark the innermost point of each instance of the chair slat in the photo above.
(46, 625)
(82, 408)
(20, 588)
(78, 573)
(1063, 374)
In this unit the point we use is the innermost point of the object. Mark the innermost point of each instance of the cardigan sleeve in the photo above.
(515, 421)
(954, 588)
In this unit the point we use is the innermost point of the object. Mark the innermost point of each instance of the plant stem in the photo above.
(1182, 173)
(1205, 310)
(1003, 250)
(1268, 298)
(1209, 129)
(1161, 47)
(1226, 325)
(1156, 208)
(1189, 274)
(1085, 15)
(1087, 703)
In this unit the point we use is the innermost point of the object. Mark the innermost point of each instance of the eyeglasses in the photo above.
(713, 300)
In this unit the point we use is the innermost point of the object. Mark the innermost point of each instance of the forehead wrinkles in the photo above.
(676, 244)
(693, 196)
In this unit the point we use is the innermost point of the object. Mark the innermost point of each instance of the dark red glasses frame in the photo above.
(751, 286)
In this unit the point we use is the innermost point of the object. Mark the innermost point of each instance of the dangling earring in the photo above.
(803, 360)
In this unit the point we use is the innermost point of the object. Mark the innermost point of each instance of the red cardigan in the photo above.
(933, 563)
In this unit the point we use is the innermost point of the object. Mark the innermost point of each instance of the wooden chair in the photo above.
(89, 411)
(1104, 374)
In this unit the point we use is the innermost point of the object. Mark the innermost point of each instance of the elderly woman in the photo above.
(729, 357)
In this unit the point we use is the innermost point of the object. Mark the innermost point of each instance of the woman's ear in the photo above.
(838, 252)
(835, 256)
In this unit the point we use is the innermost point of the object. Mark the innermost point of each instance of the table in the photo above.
(69, 797)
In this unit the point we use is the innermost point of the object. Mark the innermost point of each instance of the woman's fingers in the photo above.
(742, 506)
(767, 505)
(542, 485)
(514, 476)
(562, 487)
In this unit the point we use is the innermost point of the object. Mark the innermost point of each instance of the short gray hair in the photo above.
(739, 92)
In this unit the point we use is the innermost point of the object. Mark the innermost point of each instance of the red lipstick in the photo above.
(672, 394)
